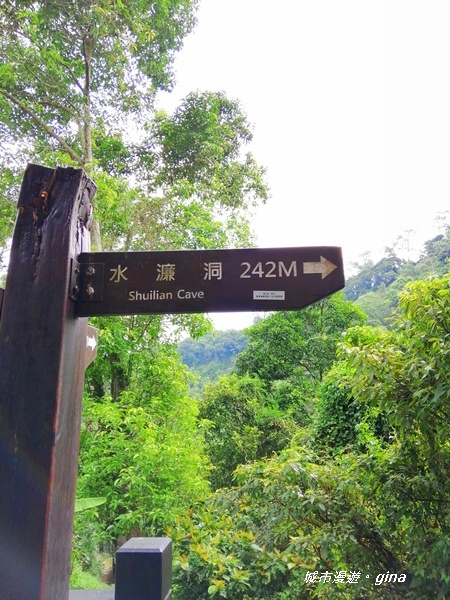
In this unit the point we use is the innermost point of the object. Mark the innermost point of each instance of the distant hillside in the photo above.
(212, 355)
(376, 287)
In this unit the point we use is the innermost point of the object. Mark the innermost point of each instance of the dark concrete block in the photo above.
(144, 569)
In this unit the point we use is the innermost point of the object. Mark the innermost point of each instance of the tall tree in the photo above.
(66, 65)
(67, 68)
(77, 78)
(405, 373)
(298, 342)
(193, 185)
(242, 425)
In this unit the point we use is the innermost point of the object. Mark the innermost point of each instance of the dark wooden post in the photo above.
(42, 347)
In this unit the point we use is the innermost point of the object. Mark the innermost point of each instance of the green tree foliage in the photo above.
(437, 250)
(195, 195)
(288, 516)
(342, 423)
(338, 414)
(378, 306)
(379, 507)
(371, 276)
(376, 288)
(298, 343)
(68, 65)
(215, 346)
(201, 145)
(406, 374)
(77, 84)
(9, 189)
(144, 452)
(241, 425)
(72, 76)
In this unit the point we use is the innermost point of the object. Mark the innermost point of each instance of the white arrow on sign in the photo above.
(91, 345)
(324, 267)
(91, 342)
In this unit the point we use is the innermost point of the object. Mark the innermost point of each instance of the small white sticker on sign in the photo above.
(268, 295)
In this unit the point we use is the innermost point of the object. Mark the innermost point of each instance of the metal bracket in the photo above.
(92, 277)
(86, 281)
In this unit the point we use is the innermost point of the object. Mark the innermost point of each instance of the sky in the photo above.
(350, 106)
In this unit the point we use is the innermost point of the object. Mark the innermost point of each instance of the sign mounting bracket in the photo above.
(92, 281)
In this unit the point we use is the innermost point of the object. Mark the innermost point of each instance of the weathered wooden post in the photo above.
(42, 348)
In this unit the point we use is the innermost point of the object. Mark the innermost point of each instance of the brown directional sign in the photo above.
(189, 281)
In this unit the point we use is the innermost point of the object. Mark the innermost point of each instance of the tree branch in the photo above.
(65, 65)
(46, 128)
(87, 53)
(62, 108)
(33, 69)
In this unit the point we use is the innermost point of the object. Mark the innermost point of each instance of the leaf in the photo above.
(87, 503)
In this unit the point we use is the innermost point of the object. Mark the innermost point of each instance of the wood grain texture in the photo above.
(42, 346)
